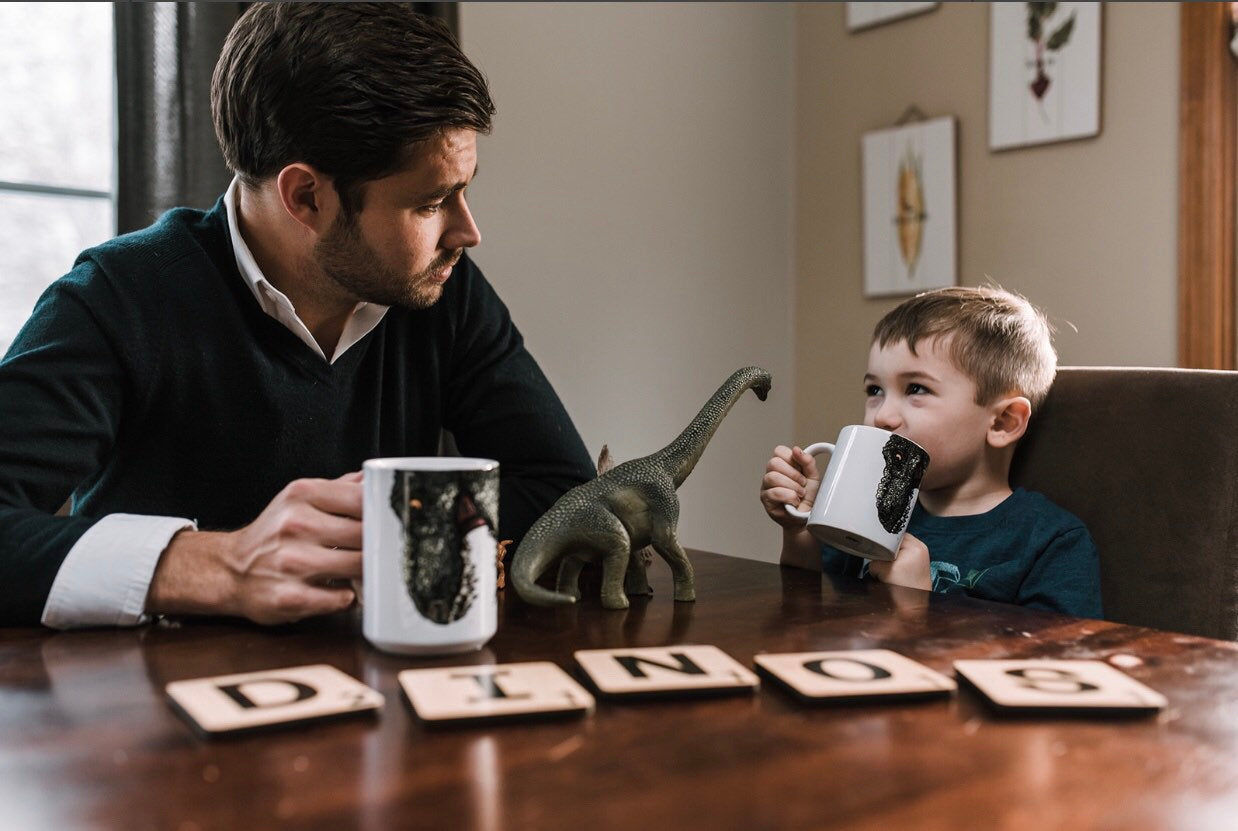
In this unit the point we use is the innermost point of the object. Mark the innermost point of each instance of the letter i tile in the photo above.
(494, 692)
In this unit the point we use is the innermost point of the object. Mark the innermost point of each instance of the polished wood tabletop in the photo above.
(88, 740)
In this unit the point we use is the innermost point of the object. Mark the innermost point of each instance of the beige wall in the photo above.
(1086, 229)
(635, 208)
(672, 191)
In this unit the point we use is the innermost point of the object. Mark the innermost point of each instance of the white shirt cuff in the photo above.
(105, 577)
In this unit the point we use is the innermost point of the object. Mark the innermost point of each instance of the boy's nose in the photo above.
(887, 417)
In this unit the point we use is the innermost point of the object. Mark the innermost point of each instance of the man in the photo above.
(231, 370)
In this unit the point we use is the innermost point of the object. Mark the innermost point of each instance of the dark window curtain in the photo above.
(167, 153)
(447, 12)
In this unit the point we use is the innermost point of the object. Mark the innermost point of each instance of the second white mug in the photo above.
(867, 492)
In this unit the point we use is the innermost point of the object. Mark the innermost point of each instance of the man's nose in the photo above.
(463, 231)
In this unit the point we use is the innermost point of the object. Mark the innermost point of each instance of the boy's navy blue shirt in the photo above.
(1026, 551)
(149, 381)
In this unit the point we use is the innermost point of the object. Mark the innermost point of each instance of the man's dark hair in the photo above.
(349, 88)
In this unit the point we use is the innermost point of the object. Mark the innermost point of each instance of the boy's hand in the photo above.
(791, 477)
(910, 568)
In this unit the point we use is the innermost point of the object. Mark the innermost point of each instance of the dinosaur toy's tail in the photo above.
(537, 595)
(680, 456)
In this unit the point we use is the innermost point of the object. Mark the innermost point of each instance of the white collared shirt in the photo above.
(106, 575)
(275, 303)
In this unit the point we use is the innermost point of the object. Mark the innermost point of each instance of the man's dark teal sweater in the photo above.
(149, 381)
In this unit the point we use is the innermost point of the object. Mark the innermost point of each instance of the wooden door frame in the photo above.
(1206, 187)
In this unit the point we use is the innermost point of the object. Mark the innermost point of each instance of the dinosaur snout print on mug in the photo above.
(867, 492)
(428, 561)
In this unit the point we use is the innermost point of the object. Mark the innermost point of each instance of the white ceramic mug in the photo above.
(428, 560)
(867, 493)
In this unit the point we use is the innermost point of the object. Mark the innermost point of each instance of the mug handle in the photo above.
(811, 450)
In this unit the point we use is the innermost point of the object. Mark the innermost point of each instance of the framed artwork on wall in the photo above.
(863, 15)
(909, 208)
(1044, 72)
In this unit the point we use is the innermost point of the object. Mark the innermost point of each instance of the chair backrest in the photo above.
(1148, 459)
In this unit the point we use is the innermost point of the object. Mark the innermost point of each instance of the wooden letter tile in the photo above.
(494, 691)
(853, 674)
(1067, 685)
(665, 670)
(245, 701)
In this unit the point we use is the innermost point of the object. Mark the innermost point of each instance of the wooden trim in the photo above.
(1206, 188)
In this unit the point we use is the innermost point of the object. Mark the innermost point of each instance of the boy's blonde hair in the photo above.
(998, 338)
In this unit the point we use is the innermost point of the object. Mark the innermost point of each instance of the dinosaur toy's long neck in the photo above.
(680, 456)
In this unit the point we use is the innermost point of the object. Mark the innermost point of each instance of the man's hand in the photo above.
(791, 478)
(277, 568)
(910, 568)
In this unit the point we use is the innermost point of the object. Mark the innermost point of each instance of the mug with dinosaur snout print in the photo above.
(867, 492)
(429, 565)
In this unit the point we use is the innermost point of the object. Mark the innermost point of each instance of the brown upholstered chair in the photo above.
(1148, 458)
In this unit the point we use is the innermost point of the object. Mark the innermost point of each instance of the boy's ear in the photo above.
(1010, 417)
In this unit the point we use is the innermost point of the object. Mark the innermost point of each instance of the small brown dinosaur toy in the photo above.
(622, 511)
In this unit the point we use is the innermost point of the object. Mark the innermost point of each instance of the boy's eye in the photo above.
(871, 390)
(917, 389)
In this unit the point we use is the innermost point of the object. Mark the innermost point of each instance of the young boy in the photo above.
(958, 371)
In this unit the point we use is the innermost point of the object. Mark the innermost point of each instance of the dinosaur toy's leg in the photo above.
(636, 580)
(614, 564)
(666, 544)
(569, 576)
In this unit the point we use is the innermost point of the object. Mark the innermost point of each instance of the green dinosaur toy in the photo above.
(623, 510)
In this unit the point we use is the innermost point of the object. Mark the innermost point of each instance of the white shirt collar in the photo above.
(276, 304)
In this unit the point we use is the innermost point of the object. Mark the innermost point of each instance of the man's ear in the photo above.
(1010, 417)
(308, 196)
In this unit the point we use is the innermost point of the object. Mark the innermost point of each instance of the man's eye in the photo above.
(431, 209)
(871, 390)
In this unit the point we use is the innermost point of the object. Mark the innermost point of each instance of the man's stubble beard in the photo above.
(349, 261)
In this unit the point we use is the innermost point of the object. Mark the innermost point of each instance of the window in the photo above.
(57, 146)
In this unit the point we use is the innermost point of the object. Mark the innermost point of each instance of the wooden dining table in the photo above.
(89, 740)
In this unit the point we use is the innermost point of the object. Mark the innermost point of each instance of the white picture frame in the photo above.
(909, 208)
(866, 15)
(1045, 88)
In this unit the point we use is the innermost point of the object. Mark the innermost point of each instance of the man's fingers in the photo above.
(302, 601)
(336, 531)
(331, 496)
(321, 564)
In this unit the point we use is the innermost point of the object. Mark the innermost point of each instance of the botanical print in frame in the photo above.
(863, 15)
(909, 208)
(1044, 72)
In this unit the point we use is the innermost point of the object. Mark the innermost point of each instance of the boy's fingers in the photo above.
(781, 468)
(778, 497)
(776, 482)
